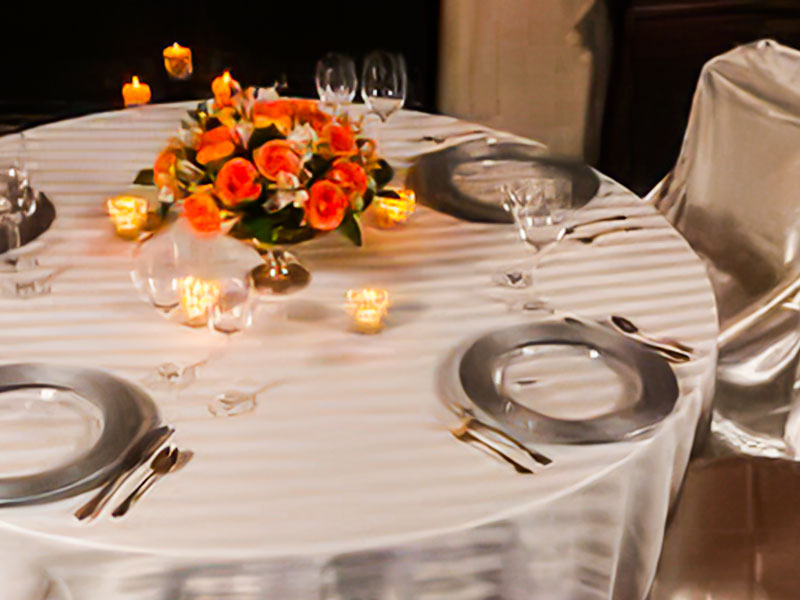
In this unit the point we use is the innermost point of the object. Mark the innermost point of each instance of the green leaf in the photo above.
(291, 235)
(145, 177)
(389, 194)
(163, 209)
(369, 196)
(263, 135)
(351, 229)
(383, 174)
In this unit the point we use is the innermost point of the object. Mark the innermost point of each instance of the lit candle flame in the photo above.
(135, 92)
(198, 297)
(391, 210)
(128, 213)
(368, 307)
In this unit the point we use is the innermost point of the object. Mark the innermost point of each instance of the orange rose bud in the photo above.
(279, 113)
(164, 169)
(275, 157)
(225, 88)
(202, 211)
(237, 182)
(349, 176)
(215, 145)
(307, 111)
(339, 139)
(326, 206)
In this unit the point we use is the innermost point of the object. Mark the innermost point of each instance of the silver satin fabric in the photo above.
(734, 194)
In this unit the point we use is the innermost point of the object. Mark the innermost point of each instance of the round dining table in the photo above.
(344, 481)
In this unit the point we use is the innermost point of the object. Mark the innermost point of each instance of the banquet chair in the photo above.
(733, 194)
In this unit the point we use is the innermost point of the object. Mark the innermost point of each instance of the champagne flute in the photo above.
(383, 83)
(336, 79)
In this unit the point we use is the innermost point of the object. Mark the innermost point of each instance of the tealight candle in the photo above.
(128, 213)
(368, 308)
(224, 88)
(198, 297)
(395, 207)
(178, 61)
(135, 92)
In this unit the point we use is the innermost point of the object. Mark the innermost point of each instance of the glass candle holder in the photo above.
(197, 299)
(394, 205)
(368, 308)
(232, 311)
(178, 61)
(135, 92)
(129, 215)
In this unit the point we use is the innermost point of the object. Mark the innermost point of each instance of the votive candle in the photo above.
(135, 92)
(178, 61)
(368, 308)
(198, 297)
(395, 207)
(128, 213)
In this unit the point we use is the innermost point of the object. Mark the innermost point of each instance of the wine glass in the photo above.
(336, 79)
(383, 83)
(535, 205)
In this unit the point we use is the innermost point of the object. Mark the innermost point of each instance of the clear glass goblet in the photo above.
(336, 79)
(383, 83)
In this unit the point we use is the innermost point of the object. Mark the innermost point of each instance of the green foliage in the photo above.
(145, 177)
(351, 228)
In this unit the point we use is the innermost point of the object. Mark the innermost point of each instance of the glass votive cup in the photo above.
(233, 310)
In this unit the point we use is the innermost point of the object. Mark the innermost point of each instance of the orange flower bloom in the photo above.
(326, 206)
(274, 112)
(339, 139)
(349, 176)
(275, 157)
(216, 144)
(237, 182)
(225, 88)
(202, 211)
(164, 169)
(307, 111)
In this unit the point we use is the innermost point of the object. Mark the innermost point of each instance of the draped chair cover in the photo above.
(734, 194)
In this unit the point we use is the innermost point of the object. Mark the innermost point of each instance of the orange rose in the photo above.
(237, 182)
(349, 176)
(279, 113)
(202, 211)
(307, 111)
(326, 206)
(339, 139)
(225, 88)
(216, 144)
(164, 169)
(275, 157)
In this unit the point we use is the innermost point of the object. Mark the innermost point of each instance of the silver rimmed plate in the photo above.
(123, 413)
(643, 376)
(464, 180)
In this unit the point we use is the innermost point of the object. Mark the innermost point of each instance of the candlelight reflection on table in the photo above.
(368, 308)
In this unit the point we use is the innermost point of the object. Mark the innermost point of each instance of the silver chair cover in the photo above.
(734, 194)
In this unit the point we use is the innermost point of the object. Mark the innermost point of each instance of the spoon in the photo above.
(162, 464)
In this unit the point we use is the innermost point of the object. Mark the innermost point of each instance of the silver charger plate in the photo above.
(126, 412)
(36, 224)
(647, 373)
(464, 180)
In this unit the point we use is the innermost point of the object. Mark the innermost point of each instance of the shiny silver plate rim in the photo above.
(126, 412)
(656, 400)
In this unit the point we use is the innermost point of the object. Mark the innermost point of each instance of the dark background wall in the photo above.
(660, 48)
(61, 59)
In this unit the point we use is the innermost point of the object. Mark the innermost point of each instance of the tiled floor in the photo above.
(735, 533)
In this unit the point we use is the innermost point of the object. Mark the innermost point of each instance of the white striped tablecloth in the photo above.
(348, 452)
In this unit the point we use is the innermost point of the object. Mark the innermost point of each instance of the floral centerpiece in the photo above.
(269, 169)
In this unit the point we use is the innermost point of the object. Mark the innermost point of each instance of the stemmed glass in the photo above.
(336, 79)
(535, 205)
(383, 83)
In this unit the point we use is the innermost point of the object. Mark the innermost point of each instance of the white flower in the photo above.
(269, 93)
(287, 191)
(302, 137)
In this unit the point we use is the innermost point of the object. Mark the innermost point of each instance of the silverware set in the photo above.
(164, 459)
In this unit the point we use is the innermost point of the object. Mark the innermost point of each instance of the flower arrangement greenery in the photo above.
(274, 170)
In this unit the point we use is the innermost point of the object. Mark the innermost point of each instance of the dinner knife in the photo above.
(136, 456)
